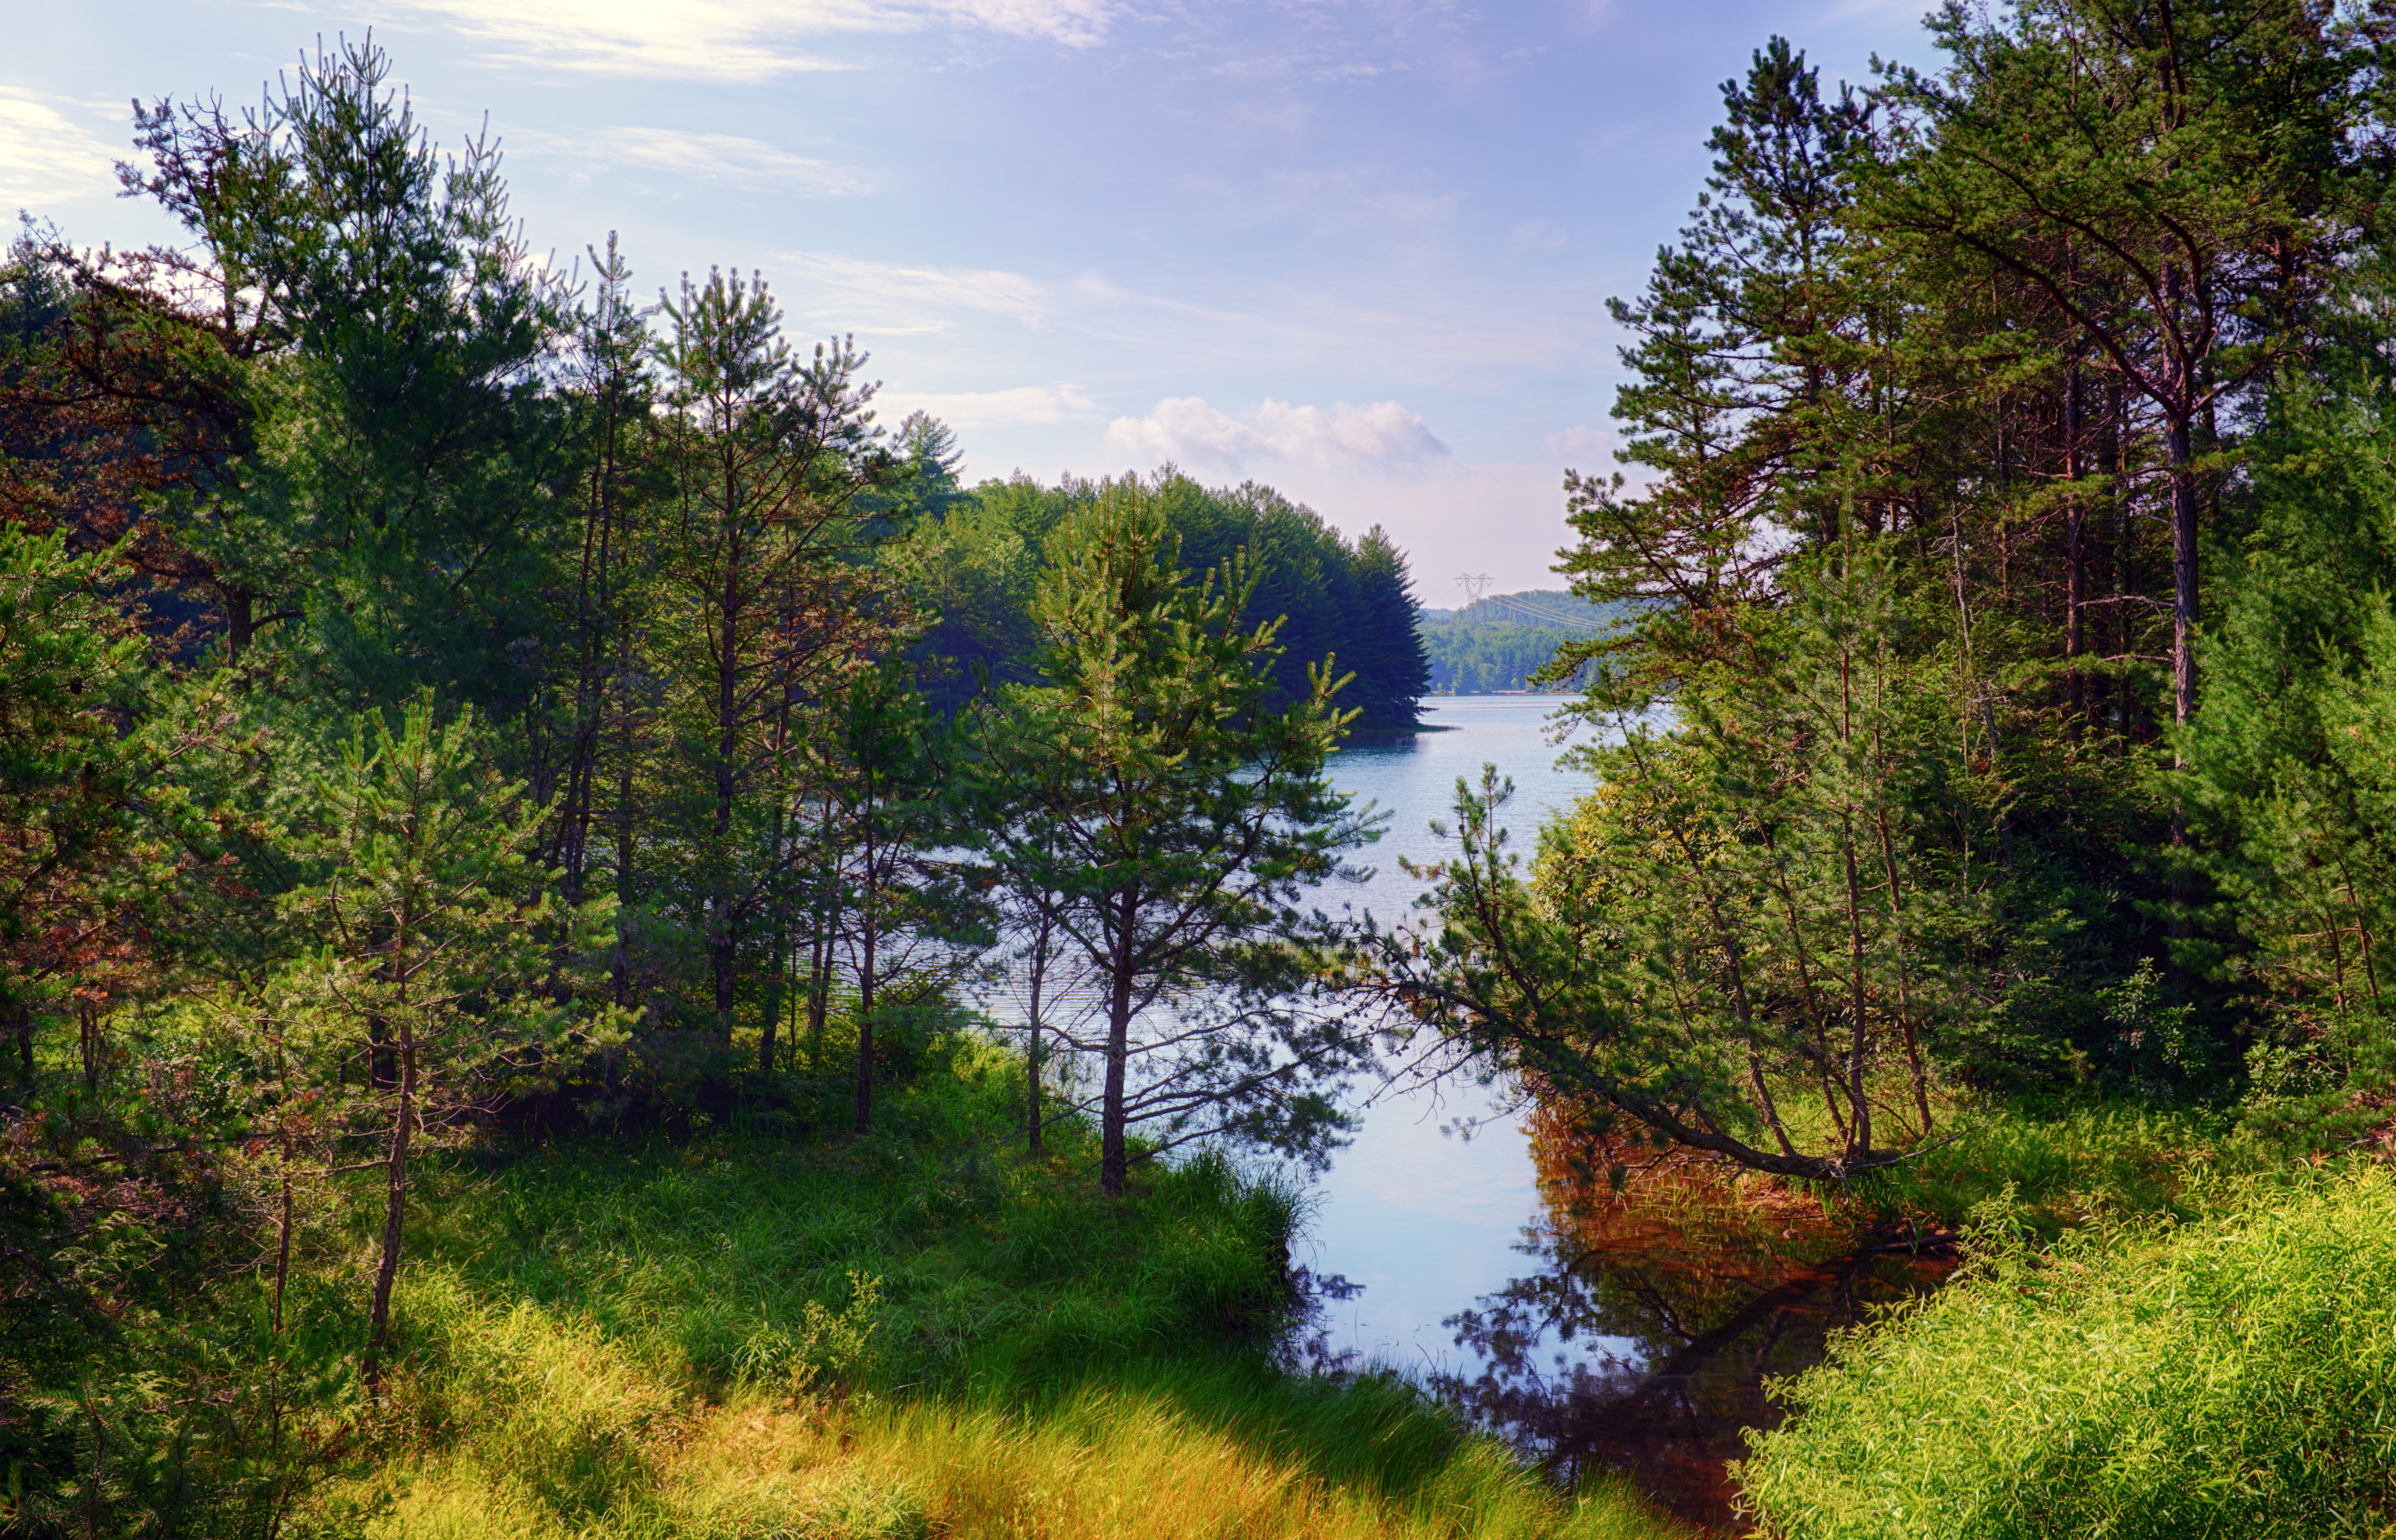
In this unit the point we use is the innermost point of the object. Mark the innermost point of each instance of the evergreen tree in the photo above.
(395, 513)
(768, 605)
(434, 946)
(1176, 816)
(1390, 663)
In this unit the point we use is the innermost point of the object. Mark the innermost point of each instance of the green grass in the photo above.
(2064, 1163)
(2233, 1374)
(921, 1332)
(2065, 1160)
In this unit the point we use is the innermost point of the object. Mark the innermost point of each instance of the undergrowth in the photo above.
(2221, 1375)
(925, 1332)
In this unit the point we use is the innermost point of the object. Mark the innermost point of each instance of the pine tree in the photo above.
(1176, 817)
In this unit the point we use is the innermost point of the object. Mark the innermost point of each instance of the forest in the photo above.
(591, 944)
(1503, 641)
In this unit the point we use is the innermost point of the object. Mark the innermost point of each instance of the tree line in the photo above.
(1503, 641)
(442, 695)
(2002, 698)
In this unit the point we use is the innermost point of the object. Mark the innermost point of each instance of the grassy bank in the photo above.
(921, 1332)
(2057, 1165)
(2226, 1375)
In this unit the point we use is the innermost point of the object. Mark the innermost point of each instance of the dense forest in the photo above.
(450, 709)
(518, 801)
(1505, 641)
(2000, 737)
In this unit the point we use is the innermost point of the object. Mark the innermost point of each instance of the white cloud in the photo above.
(740, 40)
(747, 163)
(1020, 406)
(1382, 436)
(1503, 518)
(892, 297)
(1076, 23)
(1580, 443)
(44, 158)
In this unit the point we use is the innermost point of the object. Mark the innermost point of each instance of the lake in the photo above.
(1426, 1219)
(1590, 1328)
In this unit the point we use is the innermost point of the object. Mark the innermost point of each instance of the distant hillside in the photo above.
(1498, 642)
(1552, 607)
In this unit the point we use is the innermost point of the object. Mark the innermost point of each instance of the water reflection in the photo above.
(1672, 1411)
(1642, 1337)
(1642, 1319)
(1417, 1214)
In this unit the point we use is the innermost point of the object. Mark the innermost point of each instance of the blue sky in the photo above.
(1359, 252)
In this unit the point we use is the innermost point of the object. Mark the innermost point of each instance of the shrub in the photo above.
(2222, 1376)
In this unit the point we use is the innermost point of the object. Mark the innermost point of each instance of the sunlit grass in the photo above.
(606, 1339)
(583, 1451)
(2228, 1375)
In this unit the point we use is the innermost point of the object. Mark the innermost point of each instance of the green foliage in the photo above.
(391, 324)
(1775, 891)
(1351, 603)
(2290, 763)
(71, 676)
(2224, 1376)
(1506, 641)
(1152, 798)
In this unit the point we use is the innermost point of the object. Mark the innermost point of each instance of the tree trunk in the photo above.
(241, 624)
(1115, 1161)
(1857, 1028)
(394, 1212)
(620, 970)
(2075, 562)
(2183, 527)
(283, 1139)
(87, 1044)
(1031, 1048)
(867, 919)
(727, 746)
(773, 1018)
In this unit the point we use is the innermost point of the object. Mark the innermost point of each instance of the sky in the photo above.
(1358, 250)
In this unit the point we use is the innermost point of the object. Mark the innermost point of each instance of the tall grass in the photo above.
(562, 1436)
(921, 1333)
(2232, 1375)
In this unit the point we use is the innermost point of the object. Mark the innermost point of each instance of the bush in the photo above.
(2223, 1376)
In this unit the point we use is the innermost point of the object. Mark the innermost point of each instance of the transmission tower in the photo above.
(1474, 584)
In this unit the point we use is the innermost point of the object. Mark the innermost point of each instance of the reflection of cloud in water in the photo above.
(1424, 1218)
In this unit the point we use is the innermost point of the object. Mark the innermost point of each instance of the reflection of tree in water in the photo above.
(1643, 1340)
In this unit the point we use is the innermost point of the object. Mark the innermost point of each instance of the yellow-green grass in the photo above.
(662, 1341)
(534, 1426)
(2231, 1374)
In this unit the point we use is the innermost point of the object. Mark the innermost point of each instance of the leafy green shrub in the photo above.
(2224, 1376)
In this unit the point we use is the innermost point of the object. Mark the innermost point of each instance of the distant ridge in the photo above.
(1532, 607)
(1496, 643)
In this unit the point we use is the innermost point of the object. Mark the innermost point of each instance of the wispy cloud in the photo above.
(1014, 408)
(1382, 436)
(46, 158)
(713, 157)
(892, 297)
(1397, 333)
(732, 40)
(1581, 443)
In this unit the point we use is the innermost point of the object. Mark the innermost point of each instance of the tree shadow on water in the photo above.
(1652, 1362)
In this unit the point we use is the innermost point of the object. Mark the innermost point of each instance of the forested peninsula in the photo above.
(592, 944)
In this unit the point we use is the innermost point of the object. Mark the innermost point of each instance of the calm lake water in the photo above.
(1427, 1220)
(1588, 1330)
(1575, 1325)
